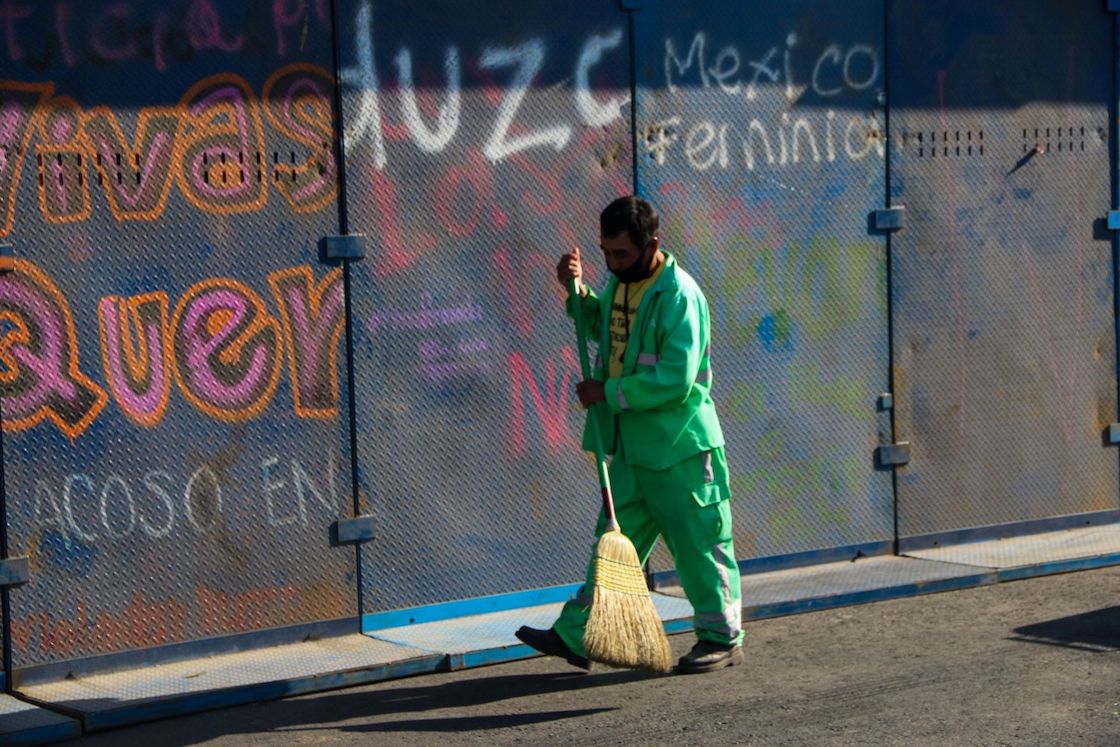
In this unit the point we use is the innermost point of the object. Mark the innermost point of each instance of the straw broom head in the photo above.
(623, 629)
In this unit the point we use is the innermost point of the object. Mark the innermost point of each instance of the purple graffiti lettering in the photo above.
(297, 102)
(427, 318)
(226, 350)
(116, 16)
(59, 186)
(10, 13)
(285, 17)
(61, 23)
(17, 111)
(61, 130)
(138, 375)
(313, 320)
(47, 359)
(39, 374)
(301, 88)
(12, 120)
(202, 161)
(65, 193)
(200, 168)
(159, 152)
(310, 337)
(200, 349)
(158, 34)
(439, 361)
(204, 28)
(136, 193)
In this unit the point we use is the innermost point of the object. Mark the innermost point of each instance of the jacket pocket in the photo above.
(708, 490)
(707, 495)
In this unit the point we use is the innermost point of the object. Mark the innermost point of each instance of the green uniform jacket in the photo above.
(662, 404)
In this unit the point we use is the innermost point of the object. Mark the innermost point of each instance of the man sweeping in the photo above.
(658, 421)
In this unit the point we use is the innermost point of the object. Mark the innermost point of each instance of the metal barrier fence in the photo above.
(196, 400)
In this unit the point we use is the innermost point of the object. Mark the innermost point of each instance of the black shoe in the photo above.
(706, 656)
(550, 643)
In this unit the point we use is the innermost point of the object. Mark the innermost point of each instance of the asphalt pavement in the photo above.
(1032, 662)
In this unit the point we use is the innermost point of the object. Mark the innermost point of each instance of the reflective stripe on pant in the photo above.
(687, 505)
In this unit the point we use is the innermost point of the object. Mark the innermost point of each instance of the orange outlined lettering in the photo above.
(41, 379)
(220, 143)
(136, 179)
(226, 350)
(138, 372)
(297, 102)
(19, 108)
(63, 188)
(312, 317)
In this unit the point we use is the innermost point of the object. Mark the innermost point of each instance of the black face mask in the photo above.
(641, 269)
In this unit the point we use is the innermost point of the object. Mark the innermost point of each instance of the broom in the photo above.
(623, 628)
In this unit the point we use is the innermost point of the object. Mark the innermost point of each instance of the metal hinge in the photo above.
(1114, 433)
(358, 529)
(1114, 218)
(7, 258)
(888, 219)
(14, 571)
(351, 246)
(889, 454)
(893, 455)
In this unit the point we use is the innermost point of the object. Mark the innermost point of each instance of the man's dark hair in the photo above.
(633, 215)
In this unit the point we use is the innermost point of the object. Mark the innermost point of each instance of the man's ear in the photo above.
(656, 243)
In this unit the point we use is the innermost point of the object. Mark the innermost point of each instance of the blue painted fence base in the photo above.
(113, 699)
(435, 643)
(488, 638)
(1035, 554)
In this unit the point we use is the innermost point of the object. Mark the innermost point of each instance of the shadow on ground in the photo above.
(458, 725)
(1098, 631)
(316, 713)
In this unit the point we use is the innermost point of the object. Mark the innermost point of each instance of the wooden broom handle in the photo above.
(592, 419)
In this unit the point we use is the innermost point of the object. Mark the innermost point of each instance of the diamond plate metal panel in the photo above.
(761, 139)
(173, 448)
(1002, 278)
(481, 144)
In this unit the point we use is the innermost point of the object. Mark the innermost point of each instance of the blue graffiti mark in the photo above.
(973, 334)
(1022, 193)
(775, 332)
(70, 555)
(823, 205)
(968, 220)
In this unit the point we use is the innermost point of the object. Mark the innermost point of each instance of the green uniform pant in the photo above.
(688, 506)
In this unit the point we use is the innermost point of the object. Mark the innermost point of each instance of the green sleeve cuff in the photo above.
(611, 389)
(582, 299)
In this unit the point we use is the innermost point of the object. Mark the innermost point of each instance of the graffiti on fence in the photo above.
(147, 621)
(776, 137)
(83, 509)
(501, 149)
(222, 347)
(211, 145)
(70, 34)
(368, 126)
